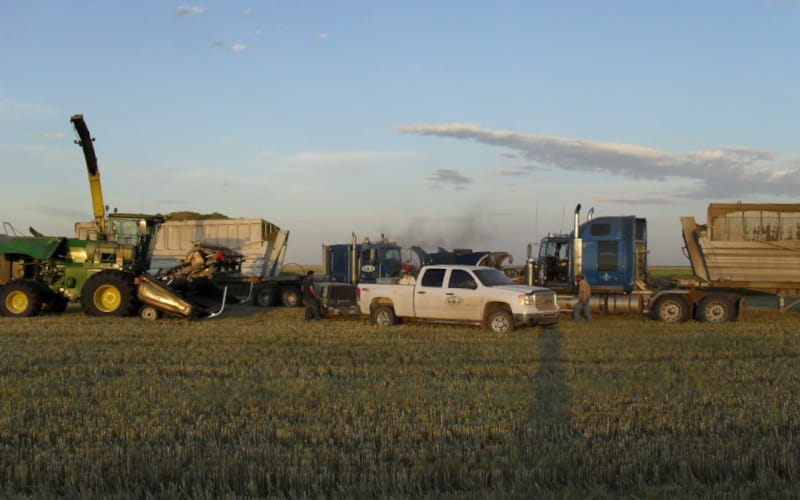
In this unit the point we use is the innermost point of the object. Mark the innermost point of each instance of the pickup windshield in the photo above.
(493, 277)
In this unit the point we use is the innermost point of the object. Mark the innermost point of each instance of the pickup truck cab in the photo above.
(459, 294)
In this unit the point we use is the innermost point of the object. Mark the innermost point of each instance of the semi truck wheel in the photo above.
(109, 293)
(672, 309)
(266, 297)
(20, 299)
(290, 297)
(715, 309)
(500, 321)
(383, 316)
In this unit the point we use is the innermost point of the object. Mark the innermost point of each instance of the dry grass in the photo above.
(258, 403)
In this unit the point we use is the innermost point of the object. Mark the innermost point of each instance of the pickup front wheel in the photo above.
(383, 316)
(500, 321)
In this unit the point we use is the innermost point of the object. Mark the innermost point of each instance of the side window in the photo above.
(433, 278)
(462, 279)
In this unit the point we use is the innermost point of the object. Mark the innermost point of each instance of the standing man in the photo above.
(311, 298)
(584, 296)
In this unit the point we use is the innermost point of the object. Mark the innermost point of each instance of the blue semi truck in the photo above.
(743, 247)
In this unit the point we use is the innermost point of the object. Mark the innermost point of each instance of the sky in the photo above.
(450, 123)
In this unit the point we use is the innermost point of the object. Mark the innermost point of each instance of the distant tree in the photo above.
(189, 215)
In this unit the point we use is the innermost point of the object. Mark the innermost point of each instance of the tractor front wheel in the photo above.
(109, 293)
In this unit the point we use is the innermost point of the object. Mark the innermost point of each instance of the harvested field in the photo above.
(258, 403)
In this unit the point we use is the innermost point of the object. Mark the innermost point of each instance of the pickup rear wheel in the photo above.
(383, 316)
(500, 321)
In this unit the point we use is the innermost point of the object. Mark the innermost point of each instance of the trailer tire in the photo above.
(266, 297)
(291, 297)
(109, 293)
(715, 309)
(672, 309)
(149, 313)
(500, 321)
(20, 299)
(383, 316)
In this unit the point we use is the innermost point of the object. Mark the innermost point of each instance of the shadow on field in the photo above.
(552, 396)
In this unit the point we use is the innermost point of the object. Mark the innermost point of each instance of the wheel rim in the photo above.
(382, 318)
(107, 298)
(17, 302)
(500, 324)
(671, 311)
(715, 312)
(149, 313)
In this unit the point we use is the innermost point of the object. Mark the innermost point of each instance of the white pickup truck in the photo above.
(459, 294)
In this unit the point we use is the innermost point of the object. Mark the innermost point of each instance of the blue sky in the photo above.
(455, 123)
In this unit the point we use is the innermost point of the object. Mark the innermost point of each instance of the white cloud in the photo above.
(321, 36)
(449, 176)
(348, 157)
(51, 136)
(189, 10)
(724, 172)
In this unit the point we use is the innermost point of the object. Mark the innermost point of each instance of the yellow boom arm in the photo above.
(85, 141)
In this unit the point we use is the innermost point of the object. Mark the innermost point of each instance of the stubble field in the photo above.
(258, 403)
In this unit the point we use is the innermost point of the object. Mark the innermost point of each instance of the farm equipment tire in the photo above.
(20, 299)
(291, 297)
(672, 309)
(383, 316)
(109, 293)
(149, 313)
(266, 297)
(500, 321)
(715, 309)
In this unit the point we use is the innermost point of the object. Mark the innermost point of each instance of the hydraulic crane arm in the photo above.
(85, 141)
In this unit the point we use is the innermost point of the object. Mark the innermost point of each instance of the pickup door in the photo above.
(447, 294)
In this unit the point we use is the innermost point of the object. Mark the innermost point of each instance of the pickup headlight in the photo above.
(527, 300)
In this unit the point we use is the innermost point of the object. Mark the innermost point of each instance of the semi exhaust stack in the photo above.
(354, 261)
(576, 256)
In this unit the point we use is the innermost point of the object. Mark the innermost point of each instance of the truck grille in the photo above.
(546, 301)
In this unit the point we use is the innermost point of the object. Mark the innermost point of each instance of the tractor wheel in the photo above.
(715, 309)
(20, 299)
(291, 297)
(672, 309)
(500, 321)
(149, 313)
(383, 316)
(109, 293)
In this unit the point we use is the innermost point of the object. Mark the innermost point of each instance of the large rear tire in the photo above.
(672, 309)
(266, 297)
(109, 293)
(20, 299)
(715, 309)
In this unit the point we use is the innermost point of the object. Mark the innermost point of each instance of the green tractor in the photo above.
(46, 273)
(106, 272)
